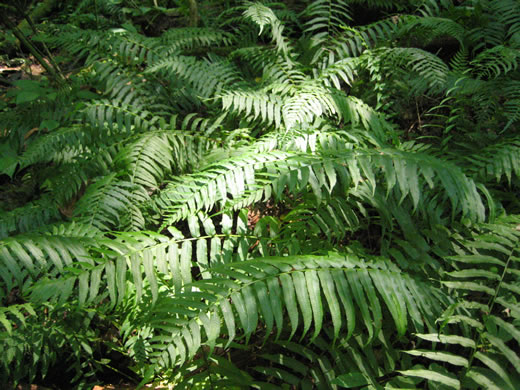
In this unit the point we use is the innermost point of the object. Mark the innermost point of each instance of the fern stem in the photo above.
(34, 51)
(49, 55)
(492, 300)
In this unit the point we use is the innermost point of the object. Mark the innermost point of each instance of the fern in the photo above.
(327, 17)
(269, 286)
(303, 195)
(323, 174)
(206, 83)
(263, 16)
(31, 216)
(484, 293)
(190, 38)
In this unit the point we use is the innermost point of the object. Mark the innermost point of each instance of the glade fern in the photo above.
(277, 199)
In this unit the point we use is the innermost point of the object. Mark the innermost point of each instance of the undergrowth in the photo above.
(292, 195)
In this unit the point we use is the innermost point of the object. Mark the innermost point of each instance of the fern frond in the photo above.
(326, 18)
(203, 192)
(105, 200)
(120, 84)
(264, 16)
(310, 102)
(333, 72)
(429, 8)
(64, 142)
(320, 363)
(484, 279)
(15, 314)
(498, 160)
(117, 117)
(430, 67)
(249, 179)
(508, 13)
(138, 263)
(355, 40)
(188, 38)
(435, 27)
(460, 61)
(29, 217)
(257, 104)
(493, 62)
(155, 155)
(208, 77)
(132, 48)
(240, 293)
(30, 255)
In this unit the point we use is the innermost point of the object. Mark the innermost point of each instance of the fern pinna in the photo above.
(302, 195)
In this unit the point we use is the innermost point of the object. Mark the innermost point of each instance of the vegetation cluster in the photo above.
(274, 195)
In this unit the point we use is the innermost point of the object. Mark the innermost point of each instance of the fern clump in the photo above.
(289, 195)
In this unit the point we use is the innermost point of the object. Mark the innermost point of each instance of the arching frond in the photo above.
(207, 78)
(495, 61)
(105, 200)
(326, 19)
(256, 104)
(264, 16)
(484, 280)
(241, 294)
(119, 117)
(31, 255)
(336, 71)
(356, 40)
(29, 217)
(430, 67)
(156, 154)
(253, 177)
(65, 142)
(188, 38)
(435, 27)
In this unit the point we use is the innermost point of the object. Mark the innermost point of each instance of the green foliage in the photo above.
(315, 195)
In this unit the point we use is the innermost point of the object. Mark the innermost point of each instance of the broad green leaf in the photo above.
(121, 267)
(476, 259)
(472, 286)
(83, 287)
(474, 273)
(149, 271)
(135, 267)
(251, 309)
(229, 319)
(262, 295)
(95, 283)
(360, 299)
(27, 96)
(391, 294)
